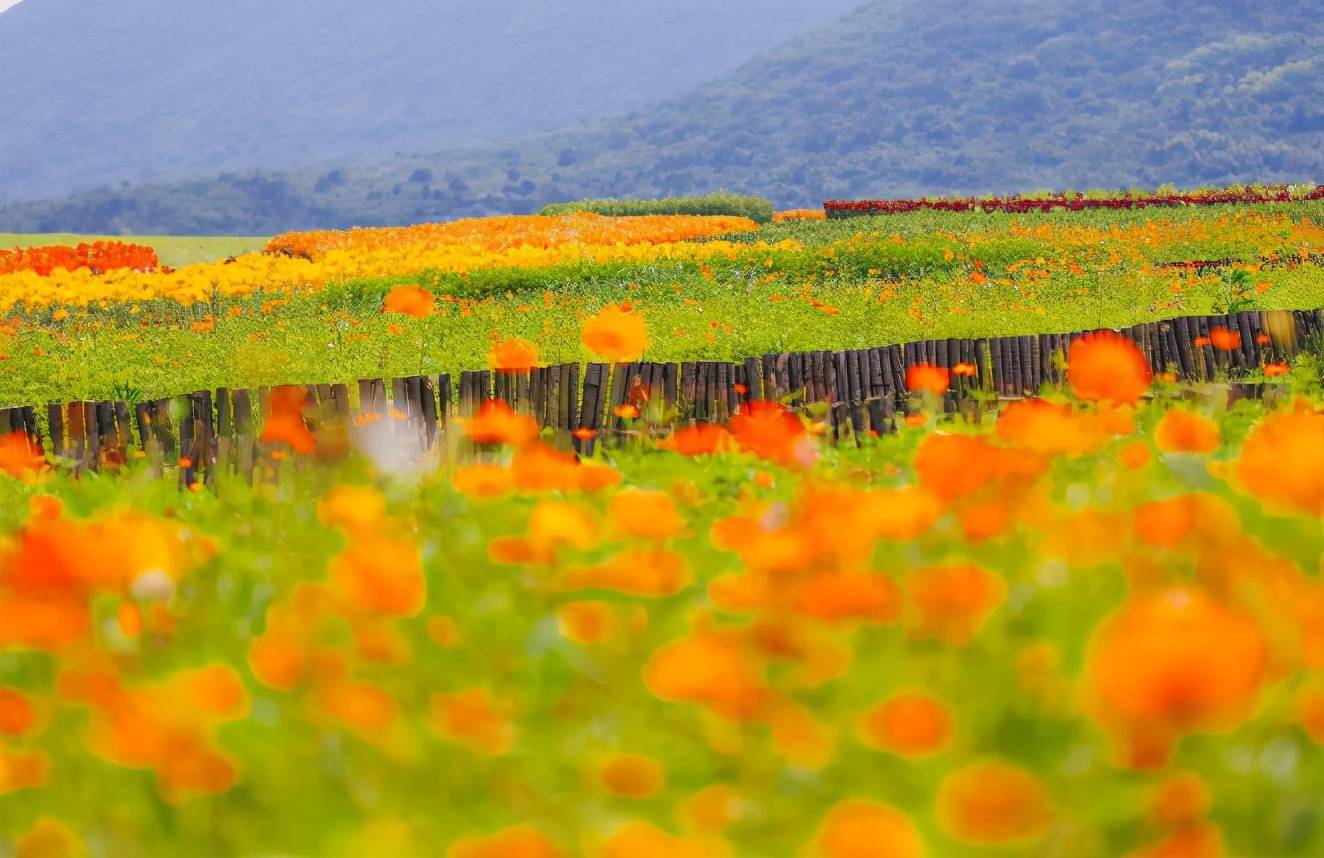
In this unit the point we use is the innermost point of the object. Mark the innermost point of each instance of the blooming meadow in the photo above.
(1084, 623)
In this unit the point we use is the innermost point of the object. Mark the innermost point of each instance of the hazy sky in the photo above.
(5, 4)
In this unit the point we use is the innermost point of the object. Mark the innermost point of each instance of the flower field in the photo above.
(1063, 599)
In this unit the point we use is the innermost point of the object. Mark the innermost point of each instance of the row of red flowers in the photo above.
(97, 256)
(1072, 202)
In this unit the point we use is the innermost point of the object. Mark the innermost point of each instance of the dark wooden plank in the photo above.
(670, 375)
(55, 424)
(796, 385)
(204, 430)
(123, 426)
(771, 388)
(692, 389)
(188, 454)
(753, 380)
(33, 432)
(569, 396)
(445, 402)
(92, 434)
(733, 397)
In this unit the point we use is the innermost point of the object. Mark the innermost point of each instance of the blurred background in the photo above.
(254, 116)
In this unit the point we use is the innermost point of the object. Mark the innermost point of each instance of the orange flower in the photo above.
(513, 355)
(520, 841)
(632, 776)
(954, 466)
(19, 771)
(476, 719)
(1105, 366)
(1224, 339)
(627, 411)
(700, 439)
(865, 829)
(1282, 461)
(1135, 455)
(1182, 431)
(585, 622)
(1183, 798)
(284, 423)
(17, 456)
(858, 596)
(909, 724)
(615, 335)
(1046, 427)
(49, 838)
(1174, 662)
(483, 481)
(654, 572)
(713, 669)
(538, 467)
(770, 431)
(1276, 370)
(927, 378)
(380, 575)
(993, 802)
(640, 839)
(1196, 841)
(409, 300)
(711, 809)
(359, 706)
(16, 714)
(952, 602)
(496, 423)
(965, 370)
(646, 515)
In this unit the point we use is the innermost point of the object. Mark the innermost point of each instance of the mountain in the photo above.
(95, 92)
(899, 97)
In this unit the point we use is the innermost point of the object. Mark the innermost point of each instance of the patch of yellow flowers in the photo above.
(302, 262)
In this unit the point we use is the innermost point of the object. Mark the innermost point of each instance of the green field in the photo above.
(172, 250)
(857, 283)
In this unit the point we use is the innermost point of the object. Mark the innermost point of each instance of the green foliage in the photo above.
(721, 203)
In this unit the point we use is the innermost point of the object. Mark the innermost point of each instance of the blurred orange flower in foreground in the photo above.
(632, 776)
(993, 802)
(409, 300)
(496, 423)
(615, 334)
(698, 440)
(953, 601)
(1182, 431)
(285, 424)
(1170, 663)
(1105, 366)
(865, 829)
(1282, 461)
(514, 355)
(771, 431)
(910, 724)
(520, 841)
(927, 378)
(17, 456)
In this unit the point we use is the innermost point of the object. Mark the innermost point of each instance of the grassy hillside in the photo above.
(101, 93)
(900, 97)
(172, 250)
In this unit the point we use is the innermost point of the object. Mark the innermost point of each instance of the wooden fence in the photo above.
(857, 392)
